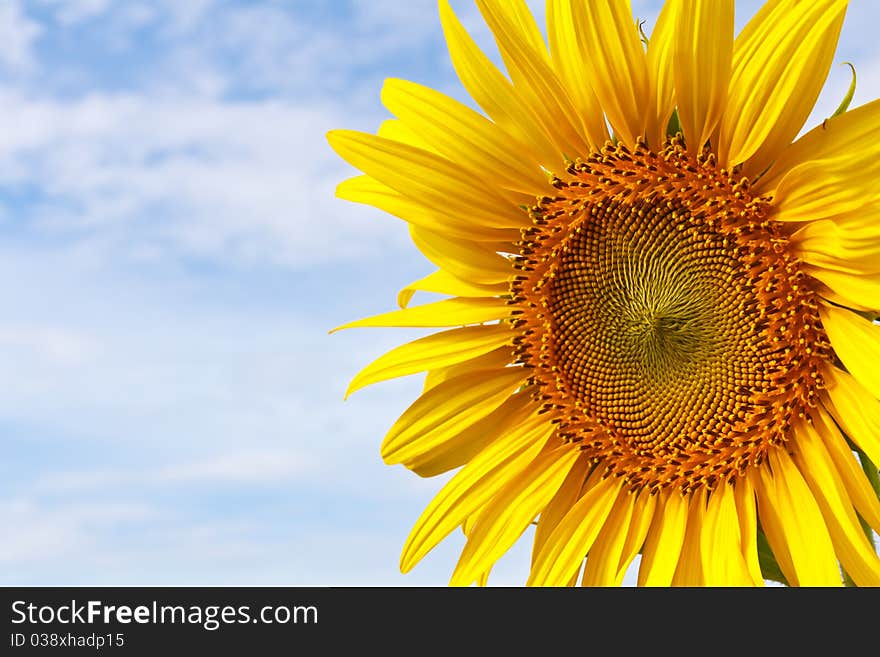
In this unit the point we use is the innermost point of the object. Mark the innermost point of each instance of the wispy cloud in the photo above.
(250, 181)
(17, 34)
(40, 534)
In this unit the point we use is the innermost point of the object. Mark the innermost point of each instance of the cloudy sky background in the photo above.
(172, 257)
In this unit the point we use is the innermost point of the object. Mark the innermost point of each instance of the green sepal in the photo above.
(674, 125)
(642, 35)
(844, 105)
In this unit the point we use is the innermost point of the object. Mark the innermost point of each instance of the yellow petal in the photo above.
(702, 65)
(858, 291)
(503, 520)
(661, 51)
(464, 136)
(426, 177)
(493, 92)
(449, 312)
(857, 342)
(664, 541)
(472, 262)
(437, 350)
(367, 190)
(569, 63)
(475, 485)
(721, 541)
(569, 492)
(855, 410)
(849, 247)
(534, 79)
(643, 514)
(856, 554)
(573, 537)
(689, 571)
(471, 440)
(616, 63)
(836, 185)
(444, 410)
(780, 63)
(846, 133)
(744, 496)
(496, 359)
(857, 486)
(604, 559)
(764, 485)
(400, 131)
(794, 526)
(519, 16)
(442, 282)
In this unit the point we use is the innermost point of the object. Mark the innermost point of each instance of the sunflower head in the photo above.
(658, 339)
(666, 322)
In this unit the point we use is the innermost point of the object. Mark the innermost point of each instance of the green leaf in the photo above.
(870, 471)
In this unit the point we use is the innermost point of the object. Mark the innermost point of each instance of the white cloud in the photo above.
(36, 533)
(75, 11)
(18, 34)
(242, 467)
(250, 182)
(254, 466)
(55, 346)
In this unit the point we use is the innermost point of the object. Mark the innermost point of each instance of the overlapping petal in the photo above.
(525, 56)
(494, 92)
(464, 136)
(664, 540)
(473, 486)
(857, 342)
(425, 177)
(436, 350)
(855, 551)
(563, 552)
(702, 65)
(780, 62)
(661, 52)
(794, 525)
(570, 64)
(617, 64)
(504, 519)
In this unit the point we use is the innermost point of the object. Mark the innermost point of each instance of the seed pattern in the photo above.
(670, 330)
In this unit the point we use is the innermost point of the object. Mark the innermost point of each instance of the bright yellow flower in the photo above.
(661, 345)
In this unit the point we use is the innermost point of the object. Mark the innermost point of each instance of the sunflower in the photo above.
(659, 315)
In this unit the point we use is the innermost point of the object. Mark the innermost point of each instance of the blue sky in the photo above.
(172, 258)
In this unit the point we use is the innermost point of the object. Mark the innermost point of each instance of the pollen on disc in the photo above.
(665, 321)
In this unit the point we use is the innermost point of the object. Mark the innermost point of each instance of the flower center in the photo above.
(667, 325)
